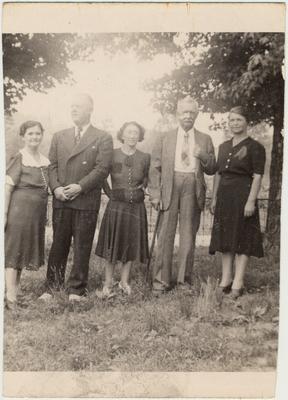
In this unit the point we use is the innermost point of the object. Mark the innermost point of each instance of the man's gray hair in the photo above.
(188, 99)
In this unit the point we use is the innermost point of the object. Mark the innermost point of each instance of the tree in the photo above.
(39, 61)
(34, 61)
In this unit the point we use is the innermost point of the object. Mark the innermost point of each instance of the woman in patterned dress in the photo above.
(236, 229)
(26, 193)
(123, 234)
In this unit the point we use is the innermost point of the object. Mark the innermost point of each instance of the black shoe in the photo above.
(235, 293)
(225, 289)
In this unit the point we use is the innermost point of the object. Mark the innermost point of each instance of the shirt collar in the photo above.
(183, 133)
(29, 161)
(84, 128)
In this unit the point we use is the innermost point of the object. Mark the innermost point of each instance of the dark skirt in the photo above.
(123, 233)
(232, 232)
(25, 229)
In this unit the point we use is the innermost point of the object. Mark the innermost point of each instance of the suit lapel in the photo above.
(86, 140)
(171, 147)
(69, 140)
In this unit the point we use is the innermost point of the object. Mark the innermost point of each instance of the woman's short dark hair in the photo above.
(29, 124)
(240, 110)
(124, 126)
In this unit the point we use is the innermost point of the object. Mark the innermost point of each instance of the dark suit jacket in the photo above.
(162, 167)
(87, 164)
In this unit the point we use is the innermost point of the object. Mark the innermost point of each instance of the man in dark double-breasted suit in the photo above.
(80, 160)
(177, 188)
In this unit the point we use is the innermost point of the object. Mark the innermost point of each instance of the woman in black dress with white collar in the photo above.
(236, 229)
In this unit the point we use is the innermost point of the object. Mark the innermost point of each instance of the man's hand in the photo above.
(212, 206)
(155, 204)
(249, 208)
(199, 153)
(72, 191)
(59, 194)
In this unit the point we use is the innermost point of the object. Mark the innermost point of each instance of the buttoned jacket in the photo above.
(87, 163)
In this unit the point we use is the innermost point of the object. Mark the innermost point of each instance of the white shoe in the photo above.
(125, 288)
(105, 293)
(46, 296)
(75, 297)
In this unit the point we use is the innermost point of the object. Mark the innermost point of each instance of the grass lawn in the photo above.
(178, 331)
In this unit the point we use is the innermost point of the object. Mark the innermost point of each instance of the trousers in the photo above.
(80, 225)
(183, 207)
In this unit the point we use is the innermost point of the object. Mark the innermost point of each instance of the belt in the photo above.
(127, 195)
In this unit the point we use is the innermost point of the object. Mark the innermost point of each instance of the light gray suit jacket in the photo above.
(162, 167)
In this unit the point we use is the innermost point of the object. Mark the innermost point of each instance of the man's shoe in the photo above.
(76, 297)
(183, 286)
(157, 291)
(46, 297)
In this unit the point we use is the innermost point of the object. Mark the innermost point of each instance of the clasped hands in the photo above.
(67, 193)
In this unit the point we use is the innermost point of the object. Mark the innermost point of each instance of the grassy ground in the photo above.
(176, 332)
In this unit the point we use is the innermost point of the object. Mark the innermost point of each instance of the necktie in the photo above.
(185, 156)
(78, 131)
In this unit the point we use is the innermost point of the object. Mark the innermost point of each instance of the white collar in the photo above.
(84, 128)
(28, 160)
(183, 133)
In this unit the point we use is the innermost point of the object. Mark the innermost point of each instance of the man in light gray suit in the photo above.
(177, 188)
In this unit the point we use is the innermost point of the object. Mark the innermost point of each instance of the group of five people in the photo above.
(80, 160)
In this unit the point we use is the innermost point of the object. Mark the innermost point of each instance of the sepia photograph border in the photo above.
(149, 17)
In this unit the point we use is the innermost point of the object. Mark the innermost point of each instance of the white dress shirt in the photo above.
(179, 165)
(83, 130)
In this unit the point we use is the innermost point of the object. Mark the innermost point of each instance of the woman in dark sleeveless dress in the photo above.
(123, 234)
(26, 194)
(236, 229)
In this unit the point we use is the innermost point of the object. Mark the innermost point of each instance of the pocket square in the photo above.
(84, 162)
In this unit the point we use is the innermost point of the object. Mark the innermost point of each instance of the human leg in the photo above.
(83, 228)
(227, 269)
(241, 263)
(165, 244)
(189, 221)
(11, 285)
(57, 260)
(124, 283)
(109, 271)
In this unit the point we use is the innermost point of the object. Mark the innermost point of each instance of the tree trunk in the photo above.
(272, 235)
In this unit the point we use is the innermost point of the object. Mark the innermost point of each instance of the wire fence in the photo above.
(206, 216)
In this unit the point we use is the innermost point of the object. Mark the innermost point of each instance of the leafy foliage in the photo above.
(224, 69)
(39, 61)
(33, 61)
